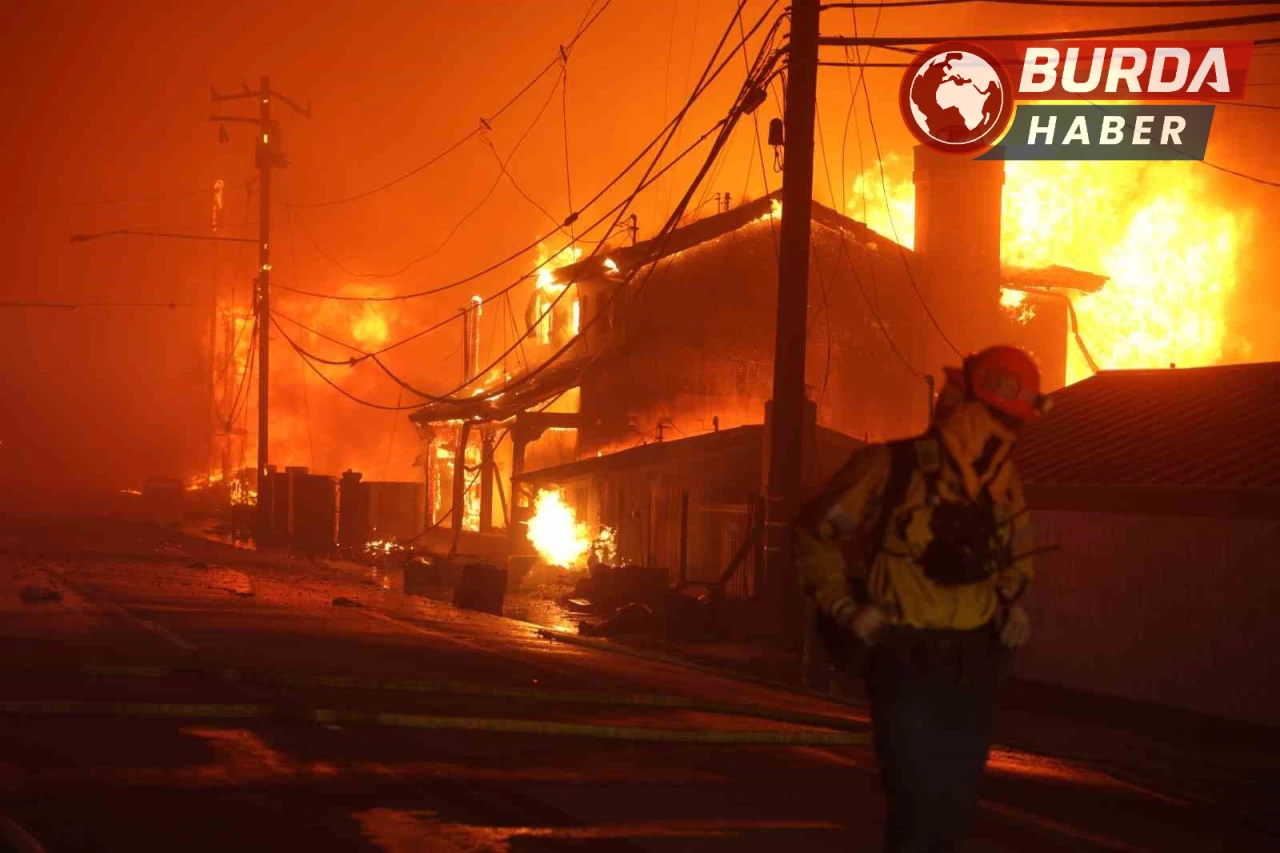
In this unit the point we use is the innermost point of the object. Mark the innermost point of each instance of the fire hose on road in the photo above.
(388, 719)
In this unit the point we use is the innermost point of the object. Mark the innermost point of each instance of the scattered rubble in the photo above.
(343, 601)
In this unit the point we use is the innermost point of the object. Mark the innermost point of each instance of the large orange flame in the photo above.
(557, 535)
(1170, 251)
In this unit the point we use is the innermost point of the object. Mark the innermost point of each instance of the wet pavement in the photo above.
(182, 695)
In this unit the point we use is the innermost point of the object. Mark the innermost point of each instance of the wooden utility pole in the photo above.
(268, 156)
(786, 435)
(265, 156)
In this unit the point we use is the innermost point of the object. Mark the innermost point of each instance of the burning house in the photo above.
(674, 338)
(691, 505)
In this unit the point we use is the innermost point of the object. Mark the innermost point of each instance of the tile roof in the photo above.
(1198, 428)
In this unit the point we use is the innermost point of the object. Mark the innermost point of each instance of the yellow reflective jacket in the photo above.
(895, 577)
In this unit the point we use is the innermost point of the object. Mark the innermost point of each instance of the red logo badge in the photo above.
(956, 98)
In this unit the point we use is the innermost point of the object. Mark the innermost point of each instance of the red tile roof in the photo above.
(1205, 427)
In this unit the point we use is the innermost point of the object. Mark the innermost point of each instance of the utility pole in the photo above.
(268, 156)
(786, 434)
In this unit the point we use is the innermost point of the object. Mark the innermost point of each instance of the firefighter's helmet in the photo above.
(1006, 379)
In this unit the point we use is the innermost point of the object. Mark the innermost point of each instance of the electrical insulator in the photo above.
(775, 132)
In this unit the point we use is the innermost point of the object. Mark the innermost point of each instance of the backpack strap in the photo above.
(903, 460)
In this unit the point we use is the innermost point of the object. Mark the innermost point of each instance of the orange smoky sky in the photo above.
(107, 108)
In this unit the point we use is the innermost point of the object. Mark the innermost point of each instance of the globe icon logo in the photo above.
(956, 98)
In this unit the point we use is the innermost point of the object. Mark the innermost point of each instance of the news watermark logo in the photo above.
(959, 98)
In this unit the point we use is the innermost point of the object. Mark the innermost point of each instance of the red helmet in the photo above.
(1006, 379)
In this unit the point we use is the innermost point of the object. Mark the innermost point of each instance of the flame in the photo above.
(1170, 250)
(1014, 302)
(204, 481)
(218, 186)
(370, 327)
(242, 495)
(549, 262)
(555, 532)
(549, 287)
(775, 211)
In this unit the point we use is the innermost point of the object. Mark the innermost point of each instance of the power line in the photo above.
(862, 165)
(844, 247)
(699, 90)
(456, 226)
(1211, 165)
(1140, 29)
(71, 306)
(725, 126)
(1087, 4)
(826, 167)
(520, 252)
(335, 386)
(502, 292)
(129, 232)
(902, 252)
(668, 229)
(564, 120)
(484, 124)
(1246, 104)
(1247, 177)
(317, 332)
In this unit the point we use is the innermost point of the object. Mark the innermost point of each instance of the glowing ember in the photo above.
(1170, 251)
(559, 538)
(382, 546)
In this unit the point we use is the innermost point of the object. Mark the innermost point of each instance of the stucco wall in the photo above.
(1172, 609)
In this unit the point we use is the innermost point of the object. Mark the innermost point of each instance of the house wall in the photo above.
(1172, 609)
(697, 339)
(643, 506)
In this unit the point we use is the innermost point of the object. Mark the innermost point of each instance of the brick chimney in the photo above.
(957, 238)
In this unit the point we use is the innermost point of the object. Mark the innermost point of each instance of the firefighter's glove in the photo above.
(864, 621)
(1016, 629)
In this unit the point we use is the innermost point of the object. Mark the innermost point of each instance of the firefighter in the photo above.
(916, 556)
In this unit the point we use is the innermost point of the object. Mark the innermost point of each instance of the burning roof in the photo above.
(502, 405)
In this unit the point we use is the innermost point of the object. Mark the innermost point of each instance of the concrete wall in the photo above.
(1172, 609)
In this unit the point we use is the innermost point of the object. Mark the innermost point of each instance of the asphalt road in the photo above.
(186, 696)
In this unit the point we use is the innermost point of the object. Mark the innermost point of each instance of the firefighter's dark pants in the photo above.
(931, 699)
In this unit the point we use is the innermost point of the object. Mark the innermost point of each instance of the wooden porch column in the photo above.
(519, 442)
(459, 484)
(486, 481)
